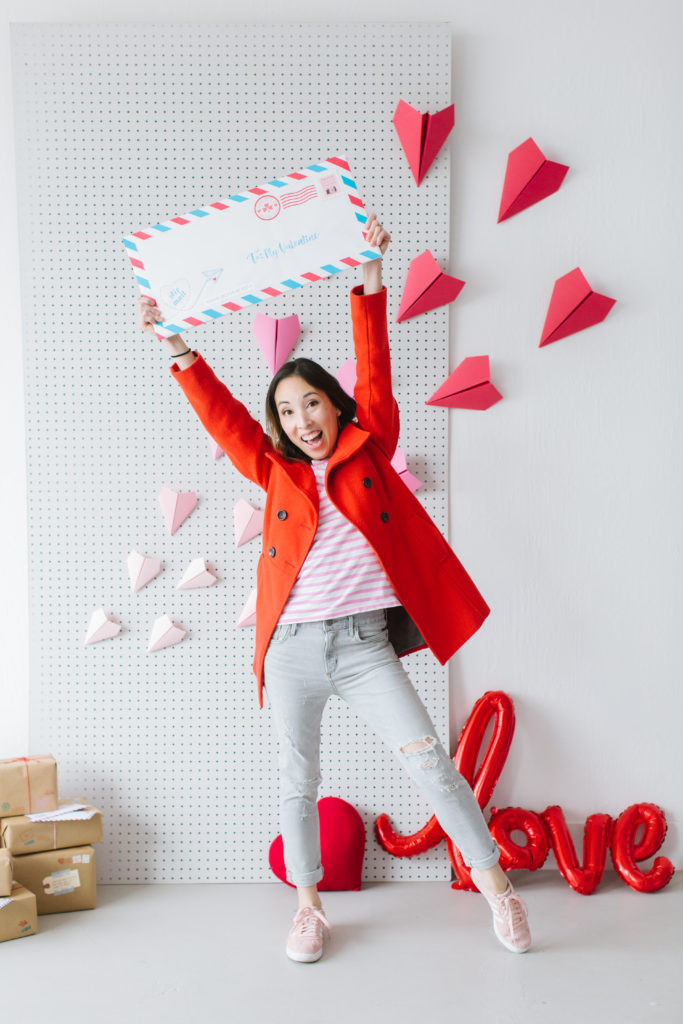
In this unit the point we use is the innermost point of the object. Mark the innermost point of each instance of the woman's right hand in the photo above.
(175, 345)
(150, 314)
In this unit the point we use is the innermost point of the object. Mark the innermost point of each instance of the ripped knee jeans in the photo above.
(351, 656)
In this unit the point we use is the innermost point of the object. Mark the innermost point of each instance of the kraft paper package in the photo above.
(61, 879)
(28, 784)
(20, 835)
(18, 914)
(5, 873)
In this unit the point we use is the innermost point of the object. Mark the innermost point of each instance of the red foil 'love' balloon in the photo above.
(596, 836)
(627, 849)
(497, 706)
(516, 819)
(635, 836)
(494, 705)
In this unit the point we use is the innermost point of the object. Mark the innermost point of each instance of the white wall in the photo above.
(566, 496)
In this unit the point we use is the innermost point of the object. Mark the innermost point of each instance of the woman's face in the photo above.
(308, 417)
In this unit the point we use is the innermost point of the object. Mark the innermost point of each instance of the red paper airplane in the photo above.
(422, 135)
(426, 287)
(529, 177)
(573, 306)
(468, 387)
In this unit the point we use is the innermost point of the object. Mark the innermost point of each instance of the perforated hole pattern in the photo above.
(119, 127)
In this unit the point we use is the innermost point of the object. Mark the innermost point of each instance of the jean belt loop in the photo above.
(293, 628)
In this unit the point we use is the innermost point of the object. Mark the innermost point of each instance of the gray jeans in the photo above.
(352, 657)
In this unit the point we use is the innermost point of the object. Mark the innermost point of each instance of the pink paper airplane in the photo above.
(276, 337)
(248, 613)
(422, 135)
(346, 375)
(573, 307)
(248, 522)
(216, 451)
(196, 575)
(176, 507)
(101, 627)
(142, 569)
(426, 287)
(400, 465)
(529, 177)
(165, 633)
(468, 387)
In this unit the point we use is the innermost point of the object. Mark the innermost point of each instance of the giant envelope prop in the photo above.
(529, 177)
(426, 287)
(422, 135)
(276, 337)
(255, 245)
(573, 306)
(468, 387)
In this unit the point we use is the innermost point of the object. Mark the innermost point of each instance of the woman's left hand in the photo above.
(376, 235)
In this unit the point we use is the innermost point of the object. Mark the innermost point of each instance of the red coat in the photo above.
(441, 607)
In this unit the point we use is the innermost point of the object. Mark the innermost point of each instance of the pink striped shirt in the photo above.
(342, 574)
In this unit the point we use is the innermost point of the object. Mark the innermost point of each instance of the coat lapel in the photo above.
(301, 475)
(350, 440)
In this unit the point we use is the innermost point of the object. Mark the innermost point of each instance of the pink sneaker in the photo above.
(509, 916)
(305, 940)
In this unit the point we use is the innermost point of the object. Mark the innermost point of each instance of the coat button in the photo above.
(282, 514)
(367, 482)
(384, 516)
(271, 552)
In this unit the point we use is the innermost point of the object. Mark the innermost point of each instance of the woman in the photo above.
(353, 574)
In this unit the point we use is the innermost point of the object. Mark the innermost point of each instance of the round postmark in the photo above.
(267, 207)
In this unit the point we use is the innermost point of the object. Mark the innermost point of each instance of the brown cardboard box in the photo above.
(28, 784)
(61, 879)
(20, 835)
(5, 873)
(18, 917)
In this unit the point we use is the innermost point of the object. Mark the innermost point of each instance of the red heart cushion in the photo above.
(342, 845)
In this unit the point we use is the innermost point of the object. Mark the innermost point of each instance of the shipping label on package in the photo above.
(61, 882)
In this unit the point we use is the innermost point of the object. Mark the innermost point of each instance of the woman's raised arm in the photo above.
(372, 271)
(241, 437)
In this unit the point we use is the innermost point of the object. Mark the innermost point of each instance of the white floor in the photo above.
(405, 951)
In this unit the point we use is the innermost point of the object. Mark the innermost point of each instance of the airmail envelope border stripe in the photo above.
(334, 163)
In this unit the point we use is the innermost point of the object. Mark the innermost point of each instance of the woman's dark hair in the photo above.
(318, 377)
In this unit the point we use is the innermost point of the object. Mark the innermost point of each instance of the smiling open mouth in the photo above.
(313, 438)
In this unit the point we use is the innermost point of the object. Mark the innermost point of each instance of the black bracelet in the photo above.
(177, 355)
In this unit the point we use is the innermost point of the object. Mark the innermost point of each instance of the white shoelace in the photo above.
(512, 906)
(309, 919)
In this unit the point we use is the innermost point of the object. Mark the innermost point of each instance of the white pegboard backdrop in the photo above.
(121, 126)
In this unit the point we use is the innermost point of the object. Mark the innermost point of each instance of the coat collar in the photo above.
(351, 439)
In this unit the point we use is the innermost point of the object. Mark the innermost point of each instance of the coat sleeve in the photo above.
(376, 406)
(241, 437)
